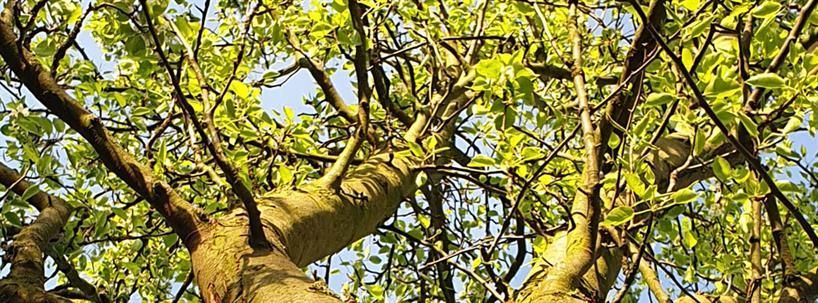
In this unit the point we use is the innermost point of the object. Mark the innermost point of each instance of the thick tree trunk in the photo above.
(313, 222)
(12, 291)
(303, 226)
(227, 269)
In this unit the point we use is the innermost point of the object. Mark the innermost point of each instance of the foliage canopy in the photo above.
(452, 151)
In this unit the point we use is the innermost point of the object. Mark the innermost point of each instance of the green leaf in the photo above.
(425, 221)
(421, 179)
(286, 174)
(613, 141)
(30, 126)
(687, 58)
(635, 184)
(701, 139)
(531, 153)
(30, 192)
(489, 68)
(721, 168)
(481, 161)
(141, 111)
(12, 218)
(240, 89)
(698, 27)
(119, 212)
(657, 99)
(793, 124)
(767, 80)
(684, 196)
(288, 113)
(430, 143)
(688, 237)
(476, 263)
(749, 124)
(618, 216)
(787, 186)
(690, 5)
(230, 108)
(59, 125)
(169, 240)
(766, 9)
(417, 151)
(184, 27)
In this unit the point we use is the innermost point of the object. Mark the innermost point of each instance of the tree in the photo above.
(519, 151)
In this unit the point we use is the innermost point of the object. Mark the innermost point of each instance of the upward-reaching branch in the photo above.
(322, 78)
(620, 108)
(333, 176)
(179, 214)
(778, 60)
(30, 243)
(586, 208)
(212, 138)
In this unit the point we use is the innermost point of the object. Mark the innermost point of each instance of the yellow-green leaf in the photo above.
(767, 80)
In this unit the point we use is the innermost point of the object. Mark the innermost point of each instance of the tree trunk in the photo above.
(303, 226)
(227, 269)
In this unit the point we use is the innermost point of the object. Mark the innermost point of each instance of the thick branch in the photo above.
(322, 78)
(586, 208)
(26, 279)
(332, 177)
(308, 220)
(779, 235)
(620, 108)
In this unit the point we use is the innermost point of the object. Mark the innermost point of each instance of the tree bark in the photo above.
(26, 277)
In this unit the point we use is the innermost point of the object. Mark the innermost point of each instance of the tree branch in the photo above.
(180, 214)
(753, 162)
(26, 274)
(212, 138)
(586, 208)
(322, 78)
(335, 173)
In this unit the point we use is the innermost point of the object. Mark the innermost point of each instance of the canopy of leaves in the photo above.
(491, 198)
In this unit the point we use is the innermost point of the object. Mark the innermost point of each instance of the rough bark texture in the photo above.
(303, 226)
(26, 277)
(800, 288)
(227, 269)
(314, 222)
(597, 281)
